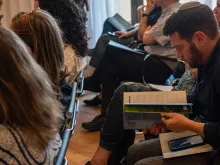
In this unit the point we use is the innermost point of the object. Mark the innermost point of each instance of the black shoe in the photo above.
(94, 125)
(93, 102)
(91, 85)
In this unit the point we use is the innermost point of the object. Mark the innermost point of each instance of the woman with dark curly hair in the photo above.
(73, 26)
(83, 7)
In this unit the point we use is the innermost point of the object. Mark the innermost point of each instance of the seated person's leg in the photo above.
(156, 71)
(129, 67)
(116, 68)
(113, 132)
(100, 47)
(157, 160)
(144, 149)
(124, 66)
(199, 159)
(120, 151)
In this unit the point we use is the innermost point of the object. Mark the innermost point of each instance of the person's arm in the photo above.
(139, 12)
(148, 39)
(123, 34)
(212, 129)
(143, 23)
(179, 123)
(209, 130)
(155, 34)
(196, 127)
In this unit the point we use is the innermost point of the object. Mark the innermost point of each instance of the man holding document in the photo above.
(193, 31)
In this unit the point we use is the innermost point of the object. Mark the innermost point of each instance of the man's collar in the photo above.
(164, 11)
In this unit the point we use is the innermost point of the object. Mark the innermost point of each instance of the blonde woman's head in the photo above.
(27, 99)
(39, 30)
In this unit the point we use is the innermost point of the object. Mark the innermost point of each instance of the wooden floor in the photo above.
(83, 144)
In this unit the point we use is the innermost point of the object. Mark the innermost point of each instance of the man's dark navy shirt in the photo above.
(207, 96)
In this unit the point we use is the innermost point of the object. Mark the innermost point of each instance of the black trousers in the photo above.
(118, 65)
(113, 137)
(101, 45)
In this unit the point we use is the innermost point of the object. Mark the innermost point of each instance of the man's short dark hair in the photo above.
(190, 18)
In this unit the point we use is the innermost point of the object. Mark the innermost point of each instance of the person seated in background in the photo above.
(39, 30)
(74, 33)
(27, 136)
(125, 38)
(114, 140)
(198, 45)
(116, 67)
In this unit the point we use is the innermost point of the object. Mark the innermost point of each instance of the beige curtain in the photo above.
(11, 7)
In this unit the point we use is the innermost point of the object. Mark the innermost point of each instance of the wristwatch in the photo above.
(145, 15)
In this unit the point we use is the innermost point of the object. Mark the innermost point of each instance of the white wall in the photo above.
(11, 7)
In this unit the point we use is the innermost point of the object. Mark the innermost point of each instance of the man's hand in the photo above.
(175, 122)
(150, 6)
(155, 129)
(123, 34)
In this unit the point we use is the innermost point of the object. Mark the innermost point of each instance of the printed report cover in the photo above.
(143, 109)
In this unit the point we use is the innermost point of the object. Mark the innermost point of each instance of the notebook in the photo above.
(120, 23)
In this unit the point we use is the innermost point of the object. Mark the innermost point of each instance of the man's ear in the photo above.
(199, 38)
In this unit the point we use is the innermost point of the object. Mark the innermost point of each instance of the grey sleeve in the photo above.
(157, 32)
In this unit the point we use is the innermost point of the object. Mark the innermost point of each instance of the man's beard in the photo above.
(196, 56)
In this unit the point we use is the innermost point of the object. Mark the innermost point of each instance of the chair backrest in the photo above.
(68, 128)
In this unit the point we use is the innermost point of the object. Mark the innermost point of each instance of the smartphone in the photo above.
(113, 34)
(186, 142)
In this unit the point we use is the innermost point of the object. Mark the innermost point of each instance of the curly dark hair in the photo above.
(71, 23)
(82, 3)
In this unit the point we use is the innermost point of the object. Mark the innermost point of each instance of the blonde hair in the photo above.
(27, 99)
(39, 30)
